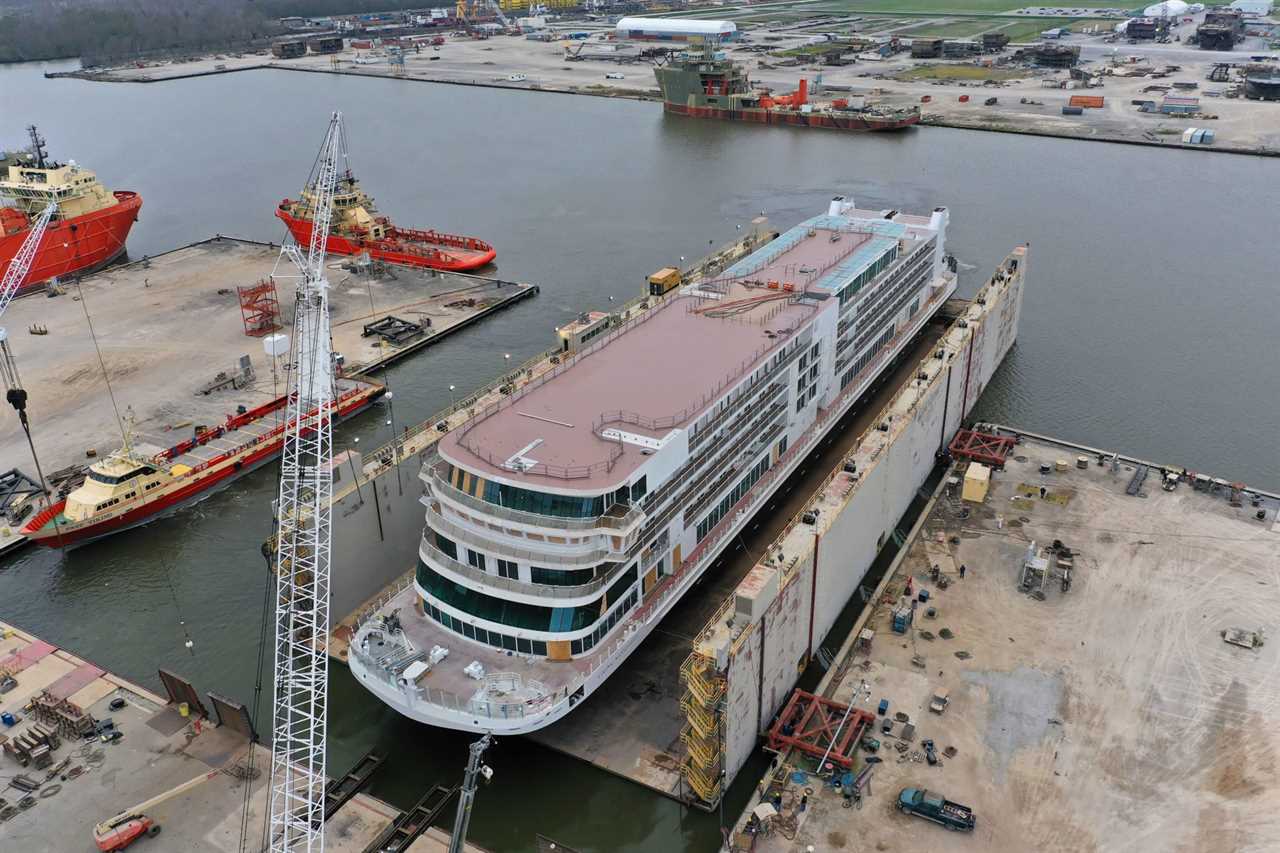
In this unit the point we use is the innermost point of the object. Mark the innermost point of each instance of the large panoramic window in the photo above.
(528, 500)
(515, 614)
(560, 577)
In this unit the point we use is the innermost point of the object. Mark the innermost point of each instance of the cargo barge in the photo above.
(704, 83)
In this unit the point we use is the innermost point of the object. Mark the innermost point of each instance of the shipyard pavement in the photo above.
(1111, 717)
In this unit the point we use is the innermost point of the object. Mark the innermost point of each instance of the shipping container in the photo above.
(1087, 101)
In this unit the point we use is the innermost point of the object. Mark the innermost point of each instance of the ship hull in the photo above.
(851, 122)
(428, 249)
(42, 531)
(77, 245)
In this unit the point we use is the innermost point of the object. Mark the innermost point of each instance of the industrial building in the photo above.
(1142, 29)
(1221, 30)
(289, 48)
(926, 48)
(675, 29)
(1055, 55)
(326, 43)
(1253, 8)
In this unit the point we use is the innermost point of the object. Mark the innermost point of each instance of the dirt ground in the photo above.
(145, 316)
(1112, 717)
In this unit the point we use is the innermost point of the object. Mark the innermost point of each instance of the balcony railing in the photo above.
(441, 486)
(466, 535)
(488, 581)
(388, 672)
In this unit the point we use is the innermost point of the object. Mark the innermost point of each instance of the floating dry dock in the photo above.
(634, 728)
(1108, 694)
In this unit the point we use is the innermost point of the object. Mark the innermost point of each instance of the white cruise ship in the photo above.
(563, 523)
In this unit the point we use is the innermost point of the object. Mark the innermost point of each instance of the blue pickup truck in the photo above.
(935, 807)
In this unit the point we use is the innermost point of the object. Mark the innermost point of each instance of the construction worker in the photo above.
(962, 570)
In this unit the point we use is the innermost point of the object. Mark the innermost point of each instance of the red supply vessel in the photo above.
(357, 227)
(89, 229)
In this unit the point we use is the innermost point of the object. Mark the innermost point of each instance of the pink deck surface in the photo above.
(20, 660)
(816, 253)
(79, 677)
(675, 363)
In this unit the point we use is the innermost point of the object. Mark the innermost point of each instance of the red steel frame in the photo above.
(260, 308)
(815, 721)
(984, 447)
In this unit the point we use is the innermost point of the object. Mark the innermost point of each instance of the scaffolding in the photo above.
(987, 448)
(702, 733)
(260, 308)
(821, 728)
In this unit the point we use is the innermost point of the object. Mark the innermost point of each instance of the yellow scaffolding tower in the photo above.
(702, 704)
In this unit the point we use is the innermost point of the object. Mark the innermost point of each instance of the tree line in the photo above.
(100, 31)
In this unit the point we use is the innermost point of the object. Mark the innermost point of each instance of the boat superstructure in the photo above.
(89, 228)
(703, 82)
(358, 227)
(564, 522)
(139, 482)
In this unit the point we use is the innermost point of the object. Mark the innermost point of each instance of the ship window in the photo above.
(539, 647)
(475, 559)
(481, 634)
(508, 569)
(468, 631)
(508, 642)
(447, 545)
(576, 647)
(523, 646)
(502, 611)
(557, 577)
(527, 500)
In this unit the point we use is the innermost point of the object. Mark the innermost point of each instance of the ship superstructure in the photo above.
(703, 82)
(565, 521)
(357, 227)
(88, 230)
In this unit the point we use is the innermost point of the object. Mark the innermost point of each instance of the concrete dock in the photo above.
(1030, 99)
(165, 326)
(160, 749)
(1112, 715)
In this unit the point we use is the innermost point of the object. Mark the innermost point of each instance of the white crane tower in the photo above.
(14, 277)
(296, 821)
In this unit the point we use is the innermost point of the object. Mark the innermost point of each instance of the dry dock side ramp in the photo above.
(631, 725)
(1112, 716)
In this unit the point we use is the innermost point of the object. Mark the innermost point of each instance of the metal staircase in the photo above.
(703, 706)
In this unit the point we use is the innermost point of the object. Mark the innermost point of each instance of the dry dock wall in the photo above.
(760, 650)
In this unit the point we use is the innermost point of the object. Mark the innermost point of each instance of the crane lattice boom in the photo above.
(303, 542)
(14, 277)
